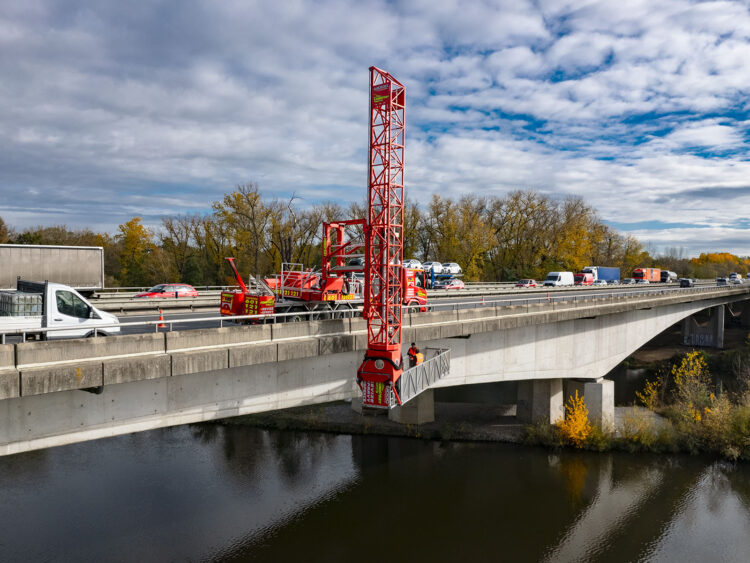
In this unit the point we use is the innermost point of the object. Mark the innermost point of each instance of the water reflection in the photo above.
(232, 493)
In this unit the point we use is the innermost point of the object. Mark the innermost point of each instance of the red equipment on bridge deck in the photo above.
(379, 373)
(258, 301)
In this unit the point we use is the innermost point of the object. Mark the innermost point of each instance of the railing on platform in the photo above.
(419, 378)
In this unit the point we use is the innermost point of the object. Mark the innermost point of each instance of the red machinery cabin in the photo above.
(245, 301)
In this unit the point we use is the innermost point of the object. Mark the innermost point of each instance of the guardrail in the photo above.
(352, 313)
(417, 379)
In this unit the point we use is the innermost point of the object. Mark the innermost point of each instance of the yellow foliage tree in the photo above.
(575, 427)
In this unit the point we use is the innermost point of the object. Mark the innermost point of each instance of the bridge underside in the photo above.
(585, 348)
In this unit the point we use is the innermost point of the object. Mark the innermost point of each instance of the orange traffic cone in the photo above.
(161, 319)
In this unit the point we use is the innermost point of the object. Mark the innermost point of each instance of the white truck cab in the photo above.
(61, 307)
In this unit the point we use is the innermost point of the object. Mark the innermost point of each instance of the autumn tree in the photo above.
(136, 243)
(4, 232)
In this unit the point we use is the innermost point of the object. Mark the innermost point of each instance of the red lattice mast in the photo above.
(382, 366)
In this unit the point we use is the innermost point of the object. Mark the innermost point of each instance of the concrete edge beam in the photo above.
(253, 354)
(184, 363)
(37, 381)
(10, 384)
(136, 369)
(298, 349)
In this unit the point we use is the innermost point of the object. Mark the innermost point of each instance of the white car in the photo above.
(413, 263)
(642, 281)
(451, 268)
(436, 267)
(599, 282)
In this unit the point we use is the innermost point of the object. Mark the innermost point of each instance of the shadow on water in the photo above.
(232, 493)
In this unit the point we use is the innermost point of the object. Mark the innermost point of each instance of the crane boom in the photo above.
(379, 373)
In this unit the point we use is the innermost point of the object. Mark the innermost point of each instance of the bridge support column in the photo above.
(540, 400)
(745, 316)
(599, 397)
(710, 335)
(420, 410)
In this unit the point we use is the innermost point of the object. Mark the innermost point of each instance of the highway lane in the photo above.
(458, 299)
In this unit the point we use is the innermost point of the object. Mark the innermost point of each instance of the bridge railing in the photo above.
(420, 377)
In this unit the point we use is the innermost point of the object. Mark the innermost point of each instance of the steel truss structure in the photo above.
(382, 366)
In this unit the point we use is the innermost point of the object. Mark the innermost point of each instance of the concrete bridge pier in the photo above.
(420, 410)
(540, 400)
(599, 396)
(710, 334)
(745, 315)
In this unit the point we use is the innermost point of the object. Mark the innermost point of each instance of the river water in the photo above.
(235, 493)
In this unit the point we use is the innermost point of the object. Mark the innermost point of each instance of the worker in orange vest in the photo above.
(414, 355)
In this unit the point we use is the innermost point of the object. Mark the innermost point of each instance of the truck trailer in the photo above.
(80, 267)
(609, 275)
(652, 275)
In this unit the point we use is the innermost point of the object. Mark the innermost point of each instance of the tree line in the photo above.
(524, 234)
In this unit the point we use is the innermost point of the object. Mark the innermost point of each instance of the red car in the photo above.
(170, 290)
(449, 284)
(526, 283)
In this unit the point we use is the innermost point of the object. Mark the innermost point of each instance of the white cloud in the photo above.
(640, 107)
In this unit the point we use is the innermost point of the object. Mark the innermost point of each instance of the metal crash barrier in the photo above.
(415, 380)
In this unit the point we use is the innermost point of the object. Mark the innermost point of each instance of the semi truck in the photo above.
(80, 267)
(668, 276)
(652, 275)
(608, 274)
(33, 306)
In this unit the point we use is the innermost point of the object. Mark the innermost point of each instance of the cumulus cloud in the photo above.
(109, 110)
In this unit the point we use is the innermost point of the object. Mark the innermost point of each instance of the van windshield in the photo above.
(553, 277)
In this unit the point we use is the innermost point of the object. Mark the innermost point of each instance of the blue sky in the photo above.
(113, 109)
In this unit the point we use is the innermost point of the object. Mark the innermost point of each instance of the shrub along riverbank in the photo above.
(699, 414)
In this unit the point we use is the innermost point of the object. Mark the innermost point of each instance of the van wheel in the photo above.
(92, 335)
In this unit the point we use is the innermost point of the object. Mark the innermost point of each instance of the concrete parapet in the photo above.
(7, 356)
(199, 361)
(420, 410)
(36, 381)
(433, 317)
(10, 384)
(85, 348)
(357, 324)
(253, 354)
(476, 313)
(292, 330)
(225, 336)
(136, 369)
(540, 400)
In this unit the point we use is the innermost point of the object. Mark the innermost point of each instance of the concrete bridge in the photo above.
(60, 392)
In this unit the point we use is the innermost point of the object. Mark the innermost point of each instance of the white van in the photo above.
(37, 305)
(556, 279)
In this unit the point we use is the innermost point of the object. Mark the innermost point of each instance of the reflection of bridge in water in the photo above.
(138, 382)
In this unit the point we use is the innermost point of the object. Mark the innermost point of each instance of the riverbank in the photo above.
(453, 421)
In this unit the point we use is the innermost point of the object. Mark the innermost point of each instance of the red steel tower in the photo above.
(379, 373)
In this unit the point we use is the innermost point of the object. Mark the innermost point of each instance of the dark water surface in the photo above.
(215, 493)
